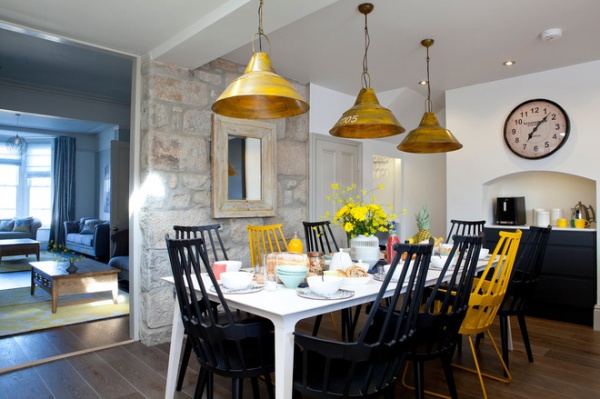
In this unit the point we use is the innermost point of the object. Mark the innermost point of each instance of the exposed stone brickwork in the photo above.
(176, 182)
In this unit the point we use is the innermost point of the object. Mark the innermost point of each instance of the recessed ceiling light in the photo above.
(423, 82)
(508, 63)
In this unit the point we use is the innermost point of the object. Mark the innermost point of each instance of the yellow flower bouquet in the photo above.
(355, 215)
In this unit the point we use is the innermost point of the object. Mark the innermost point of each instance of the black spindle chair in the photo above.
(368, 367)
(319, 238)
(440, 317)
(465, 228)
(521, 288)
(222, 344)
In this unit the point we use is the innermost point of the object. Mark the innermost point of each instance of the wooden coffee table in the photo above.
(90, 277)
(19, 246)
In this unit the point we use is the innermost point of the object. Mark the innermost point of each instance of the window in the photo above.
(25, 182)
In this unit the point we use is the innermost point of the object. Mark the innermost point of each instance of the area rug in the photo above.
(22, 312)
(20, 263)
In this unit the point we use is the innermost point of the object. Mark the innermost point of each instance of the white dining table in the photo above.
(284, 307)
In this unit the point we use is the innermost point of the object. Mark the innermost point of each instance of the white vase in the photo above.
(365, 248)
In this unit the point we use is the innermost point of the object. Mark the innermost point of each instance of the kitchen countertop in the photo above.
(506, 226)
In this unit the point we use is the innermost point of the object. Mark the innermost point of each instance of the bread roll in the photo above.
(356, 271)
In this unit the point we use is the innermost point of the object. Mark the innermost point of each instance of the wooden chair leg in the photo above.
(269, 383)
(317, 325)
(255, 391)
(419, 370)
(447, 366)
(237, 388)
(504, 337)
(523, 326)
(185, 358)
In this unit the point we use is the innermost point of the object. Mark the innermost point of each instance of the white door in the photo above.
(119, 185)
(333, 160)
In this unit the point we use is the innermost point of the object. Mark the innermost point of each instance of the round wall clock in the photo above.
(536, 129)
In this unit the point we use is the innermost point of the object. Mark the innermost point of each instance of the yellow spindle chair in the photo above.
(264, 240)
(486, 297)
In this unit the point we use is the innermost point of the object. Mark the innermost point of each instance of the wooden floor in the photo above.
(567, 365)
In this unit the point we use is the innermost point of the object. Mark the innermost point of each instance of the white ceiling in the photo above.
(318, 41)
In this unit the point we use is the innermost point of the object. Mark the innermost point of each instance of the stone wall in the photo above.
(175, 176)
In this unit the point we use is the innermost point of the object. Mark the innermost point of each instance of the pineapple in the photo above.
(423, 225)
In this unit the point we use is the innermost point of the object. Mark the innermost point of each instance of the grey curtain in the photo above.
(63, 182)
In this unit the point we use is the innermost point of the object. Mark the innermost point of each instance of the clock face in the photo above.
(536, 129)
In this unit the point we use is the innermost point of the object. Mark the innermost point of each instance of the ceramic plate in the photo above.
(308, 293)
(381, 278)
(253, 287)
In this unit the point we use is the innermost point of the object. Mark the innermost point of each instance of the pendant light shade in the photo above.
(367, 119)
(429, 137)
(16, 144)
(260, 93)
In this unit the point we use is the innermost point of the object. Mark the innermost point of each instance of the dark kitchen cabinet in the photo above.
(567, 287)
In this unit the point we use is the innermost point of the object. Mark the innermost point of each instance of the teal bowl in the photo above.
(292, 281)
(292, 270)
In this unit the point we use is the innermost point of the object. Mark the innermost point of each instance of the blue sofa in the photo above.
(29, 229)
(88, 236)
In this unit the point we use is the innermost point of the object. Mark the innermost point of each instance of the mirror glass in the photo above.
(243, 174)
(244, 168)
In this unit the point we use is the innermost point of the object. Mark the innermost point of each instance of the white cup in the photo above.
(543, 218)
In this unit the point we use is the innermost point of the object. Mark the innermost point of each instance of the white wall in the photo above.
(423, 175)
(477, 113)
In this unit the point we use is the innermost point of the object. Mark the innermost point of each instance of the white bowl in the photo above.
(325, 285)
(232, 265)
(483, 253)
(438, 262)
(398, 271)
(236, 280)
(356, 281)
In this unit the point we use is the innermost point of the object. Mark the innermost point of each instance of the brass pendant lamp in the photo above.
(367, 119)
(260, 93)
(429, 137)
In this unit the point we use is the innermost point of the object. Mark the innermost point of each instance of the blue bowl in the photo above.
(292, 281)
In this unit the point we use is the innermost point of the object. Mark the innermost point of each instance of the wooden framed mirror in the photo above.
(243, 172)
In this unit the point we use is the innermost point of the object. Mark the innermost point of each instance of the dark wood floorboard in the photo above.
(567, 365)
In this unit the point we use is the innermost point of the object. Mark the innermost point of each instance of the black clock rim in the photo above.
(567, 128)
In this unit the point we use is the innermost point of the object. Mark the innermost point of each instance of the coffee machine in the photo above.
(510, 211)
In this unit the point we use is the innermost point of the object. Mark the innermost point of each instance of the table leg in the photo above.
(115, 293)
(32, 283)
(284, 358)
(54, 298)
(174, 351)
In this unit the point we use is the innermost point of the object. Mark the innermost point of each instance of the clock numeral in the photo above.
(517, 140)
(553, 117)
(557, 126)
(518, 121)
(535, 148)
(546, 144)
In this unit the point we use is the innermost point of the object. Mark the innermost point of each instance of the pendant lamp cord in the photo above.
(366, 78)
(428, 104)
(260, 27)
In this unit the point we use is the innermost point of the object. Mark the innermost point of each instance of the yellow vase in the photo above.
(295, 245)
